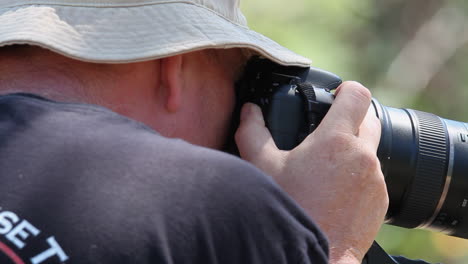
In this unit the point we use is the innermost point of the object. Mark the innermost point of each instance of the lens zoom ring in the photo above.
(427, 185)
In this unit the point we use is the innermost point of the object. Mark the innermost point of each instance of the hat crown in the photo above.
(226, 8)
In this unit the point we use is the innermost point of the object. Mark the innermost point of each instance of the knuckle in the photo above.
(376, 179)
(381, 192)
(368, 164)
(340, 140)
(360, 92)
(338, 144)
(368, 160)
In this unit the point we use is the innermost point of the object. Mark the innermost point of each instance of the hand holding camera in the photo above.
(423, 158)
(334, 173)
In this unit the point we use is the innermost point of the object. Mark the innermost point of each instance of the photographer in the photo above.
(93, 170)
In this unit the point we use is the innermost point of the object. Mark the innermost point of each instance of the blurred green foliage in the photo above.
(409, 53)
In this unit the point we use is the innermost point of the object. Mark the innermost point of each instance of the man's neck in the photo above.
(38, 71)
(128, 89)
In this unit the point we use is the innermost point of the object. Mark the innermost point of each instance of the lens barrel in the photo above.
(424, 159)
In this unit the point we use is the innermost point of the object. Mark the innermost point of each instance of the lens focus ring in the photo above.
(426, 188)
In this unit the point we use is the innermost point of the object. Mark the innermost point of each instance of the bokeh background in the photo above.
(409, 53)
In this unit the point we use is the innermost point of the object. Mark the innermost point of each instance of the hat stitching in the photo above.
(103, 5)
(217, 44)
(79, 57)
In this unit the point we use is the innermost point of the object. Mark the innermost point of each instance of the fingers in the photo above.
(370, 129)
(252, 137)
(348, 110)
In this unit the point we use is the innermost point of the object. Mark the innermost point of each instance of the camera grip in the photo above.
(285, 116)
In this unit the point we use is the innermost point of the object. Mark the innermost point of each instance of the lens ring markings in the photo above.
(426, 188)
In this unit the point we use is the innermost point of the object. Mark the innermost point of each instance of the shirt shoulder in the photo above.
(142, 198)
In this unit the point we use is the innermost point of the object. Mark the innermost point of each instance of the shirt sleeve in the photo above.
(239, 215)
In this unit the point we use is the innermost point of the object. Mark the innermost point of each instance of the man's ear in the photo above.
(171, 76)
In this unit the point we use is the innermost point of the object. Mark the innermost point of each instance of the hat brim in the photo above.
(133, 33)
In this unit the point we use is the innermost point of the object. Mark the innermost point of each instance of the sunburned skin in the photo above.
(191, 97)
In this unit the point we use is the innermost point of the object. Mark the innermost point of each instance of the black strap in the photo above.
(376, 255)
(308, 93)
(306, 89)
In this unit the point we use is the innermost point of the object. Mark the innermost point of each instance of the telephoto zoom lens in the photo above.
(425, 162)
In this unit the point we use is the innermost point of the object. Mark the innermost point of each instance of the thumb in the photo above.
(254, 140)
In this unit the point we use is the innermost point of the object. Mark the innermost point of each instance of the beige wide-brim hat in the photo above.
(121, 31)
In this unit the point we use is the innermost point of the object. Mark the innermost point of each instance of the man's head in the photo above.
(169, 64)
(189, 96)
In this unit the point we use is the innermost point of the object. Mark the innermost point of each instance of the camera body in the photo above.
(293, 100)
(424, 158)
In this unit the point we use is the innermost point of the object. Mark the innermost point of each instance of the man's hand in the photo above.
(334, 174)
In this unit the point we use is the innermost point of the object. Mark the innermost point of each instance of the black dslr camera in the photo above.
(424, 158)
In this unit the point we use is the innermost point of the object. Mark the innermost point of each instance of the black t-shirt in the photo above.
(81, 184)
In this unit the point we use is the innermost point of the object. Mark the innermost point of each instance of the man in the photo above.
(93, 170)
